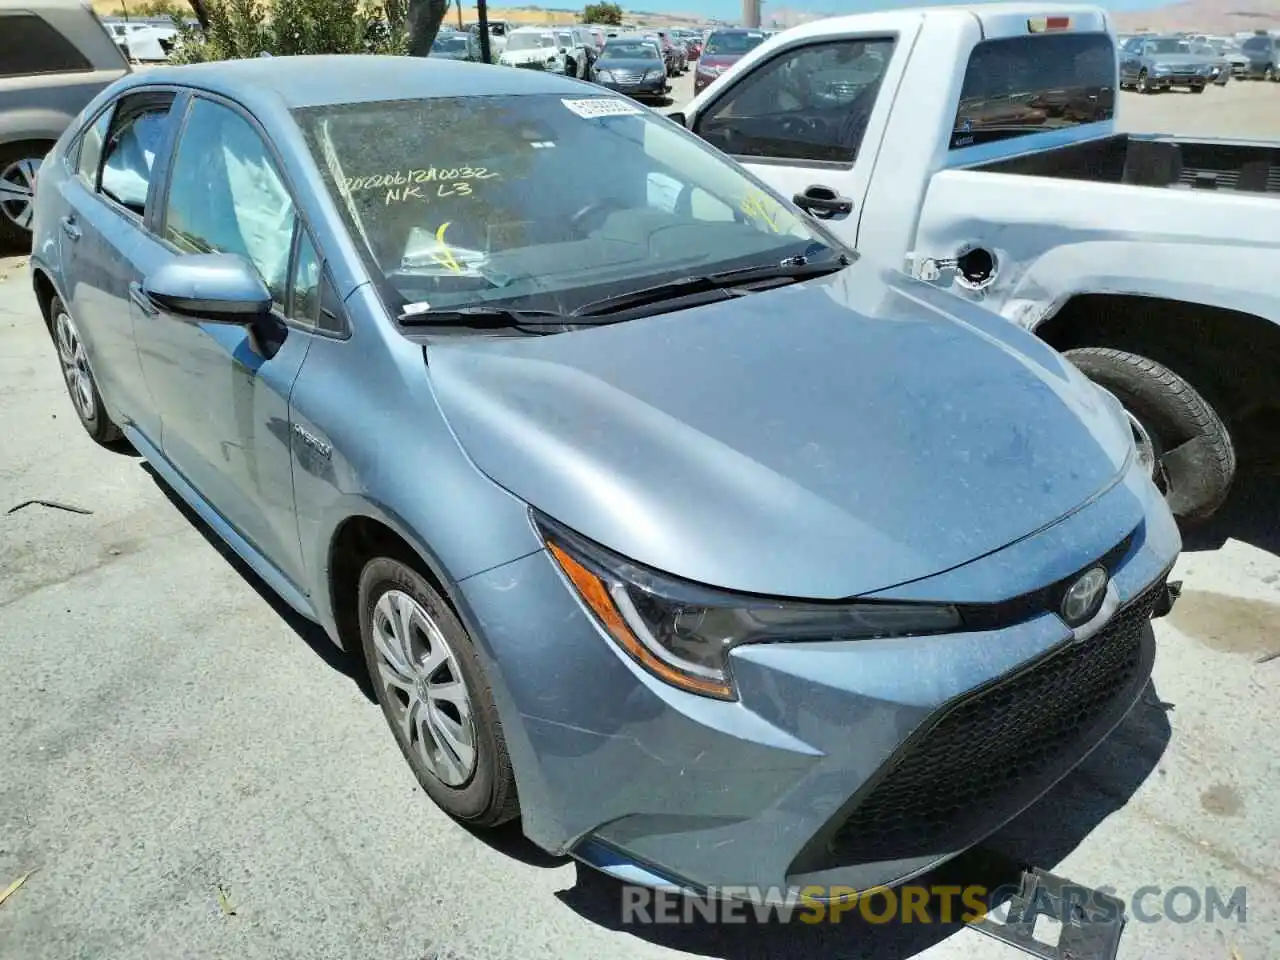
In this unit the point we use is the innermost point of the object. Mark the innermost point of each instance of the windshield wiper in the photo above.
(488, 318)
(732, 283)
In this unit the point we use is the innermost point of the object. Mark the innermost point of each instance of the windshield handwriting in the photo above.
(400, 178)
(404, 194)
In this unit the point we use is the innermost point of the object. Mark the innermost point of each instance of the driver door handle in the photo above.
(69, 227)
(822, 202)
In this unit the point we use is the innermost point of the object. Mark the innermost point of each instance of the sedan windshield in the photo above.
(1257, 44)
(732, 44)
(629, 51)
(530, 41)
(1167, 46)
(541, 201)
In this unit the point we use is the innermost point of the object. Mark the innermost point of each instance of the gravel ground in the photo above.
(188, 771)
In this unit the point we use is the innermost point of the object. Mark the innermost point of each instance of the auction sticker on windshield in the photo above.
(593, 107)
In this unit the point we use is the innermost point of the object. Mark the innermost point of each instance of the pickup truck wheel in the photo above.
(434, 694)
(1195, 460)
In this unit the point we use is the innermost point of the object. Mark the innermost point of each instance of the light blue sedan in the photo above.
(658, 518)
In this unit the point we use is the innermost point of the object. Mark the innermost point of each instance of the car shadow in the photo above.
(1250, 513)
(312, 634)
(1041, 837)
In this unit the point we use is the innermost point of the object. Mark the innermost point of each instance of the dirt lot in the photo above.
(188, 771)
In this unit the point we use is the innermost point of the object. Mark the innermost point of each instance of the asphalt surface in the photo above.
(188, 771)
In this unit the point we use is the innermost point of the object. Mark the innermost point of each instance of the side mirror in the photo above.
(210, 287)
(678, 118)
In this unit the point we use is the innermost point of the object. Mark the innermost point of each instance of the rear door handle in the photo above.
(139, 296)
(69, 227)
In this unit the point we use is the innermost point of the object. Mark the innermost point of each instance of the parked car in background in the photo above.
(980, 150)
(1152, 64)
(55, 57)
(456, 45)
(669, 55)
(1221, 74)
(1263, 52)
(579, 48)
(722, 50)
(536, 47)
(145, 42)
(632, 66)
(589, 589)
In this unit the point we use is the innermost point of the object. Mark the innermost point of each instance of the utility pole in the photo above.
(751, 13)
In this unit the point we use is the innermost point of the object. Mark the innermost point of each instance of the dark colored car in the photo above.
(1263, 52)
(632, 66)
(723, 49)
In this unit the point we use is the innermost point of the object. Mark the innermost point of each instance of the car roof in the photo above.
(309, 81)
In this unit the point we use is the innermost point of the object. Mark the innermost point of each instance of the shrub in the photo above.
(248, 28)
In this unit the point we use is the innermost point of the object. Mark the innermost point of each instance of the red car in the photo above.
(724, 48)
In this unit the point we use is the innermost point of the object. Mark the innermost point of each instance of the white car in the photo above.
(142, 41)
(526, 47)
(580, 50)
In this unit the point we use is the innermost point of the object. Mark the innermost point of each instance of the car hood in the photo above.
(826, 439)
(719, 60)
(538, 54)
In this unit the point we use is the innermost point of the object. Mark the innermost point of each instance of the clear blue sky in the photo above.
(731, 9)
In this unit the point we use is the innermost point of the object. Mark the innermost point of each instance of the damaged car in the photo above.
(660, 518)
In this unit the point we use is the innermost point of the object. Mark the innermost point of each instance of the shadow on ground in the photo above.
(1252, 511)
(311, 633)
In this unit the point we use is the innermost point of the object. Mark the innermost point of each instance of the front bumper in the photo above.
(639, 89)
(843, 763)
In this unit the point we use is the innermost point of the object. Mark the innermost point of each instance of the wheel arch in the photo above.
(1228, 355)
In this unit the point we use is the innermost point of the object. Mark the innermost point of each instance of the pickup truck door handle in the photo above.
(69, 227)
(822, 202)
(139, 296)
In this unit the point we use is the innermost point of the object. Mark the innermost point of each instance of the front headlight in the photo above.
(682, 632)
(655, 75)
(604, 75)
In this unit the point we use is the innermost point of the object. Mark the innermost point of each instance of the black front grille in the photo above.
(972, 764)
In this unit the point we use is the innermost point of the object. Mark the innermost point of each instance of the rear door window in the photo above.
(29, 46)
(1018, 86)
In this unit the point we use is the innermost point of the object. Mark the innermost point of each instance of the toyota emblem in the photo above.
(1083, 598)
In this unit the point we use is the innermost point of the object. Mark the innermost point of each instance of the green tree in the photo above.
(608, 13)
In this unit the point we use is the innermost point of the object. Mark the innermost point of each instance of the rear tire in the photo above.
(82, 388)
(450, 735)
(18, 165)
(1196, 459)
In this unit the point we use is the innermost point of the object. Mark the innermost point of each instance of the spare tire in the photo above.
(1195, 458)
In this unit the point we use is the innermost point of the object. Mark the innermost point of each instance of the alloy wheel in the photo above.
(428, 697)
(18, 191)
(75, 365)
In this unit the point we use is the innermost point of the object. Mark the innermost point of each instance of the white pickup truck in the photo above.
(976, 148)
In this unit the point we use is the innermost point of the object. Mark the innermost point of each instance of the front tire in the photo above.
(1195, 459)
(434, 694)
(1142, 86)
(82, 388)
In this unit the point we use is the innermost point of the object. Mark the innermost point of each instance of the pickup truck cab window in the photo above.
(809, 103)
(1022, 85)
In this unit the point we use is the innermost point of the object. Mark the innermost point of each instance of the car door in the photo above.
(223, 389)
(799, 119)
(104, 242)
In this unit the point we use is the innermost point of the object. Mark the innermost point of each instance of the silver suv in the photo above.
(55, 56)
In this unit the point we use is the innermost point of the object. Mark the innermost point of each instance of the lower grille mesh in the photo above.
(967, 766)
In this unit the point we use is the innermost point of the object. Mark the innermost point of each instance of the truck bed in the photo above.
(1155, 162)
